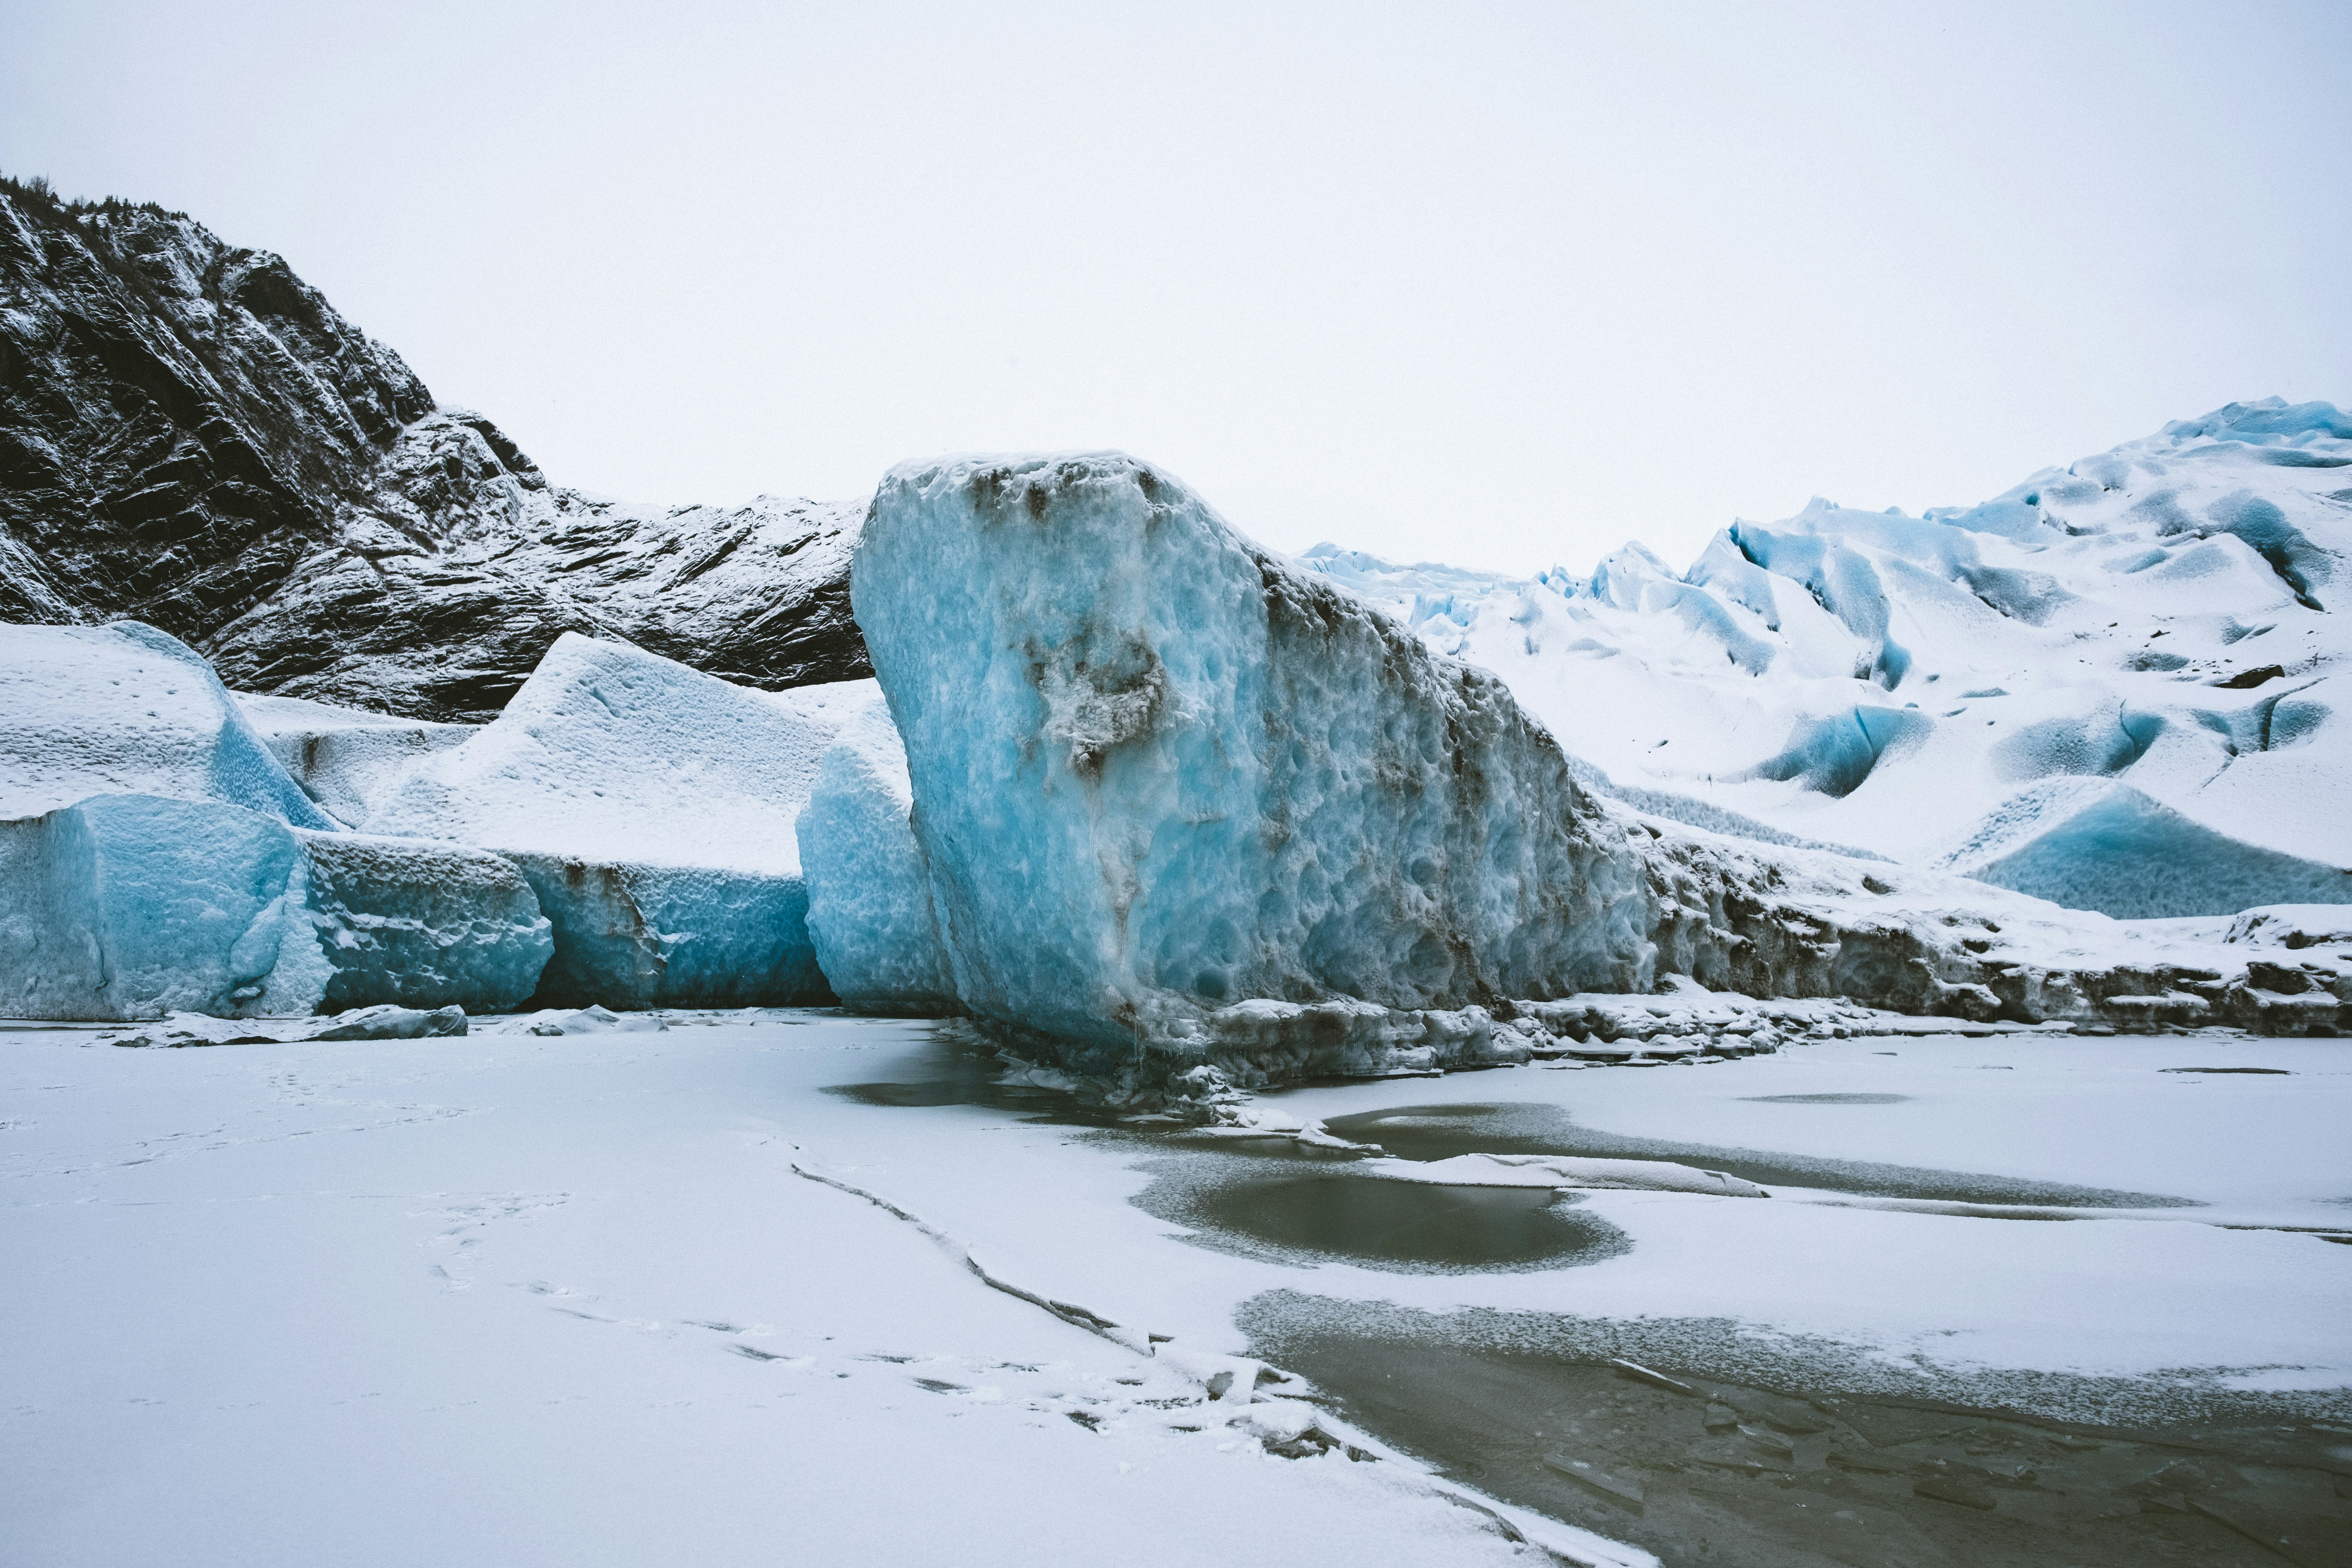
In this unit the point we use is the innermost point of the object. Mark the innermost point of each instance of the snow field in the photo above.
(510, 1300)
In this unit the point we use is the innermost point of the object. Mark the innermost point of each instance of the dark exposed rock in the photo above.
(191, 436)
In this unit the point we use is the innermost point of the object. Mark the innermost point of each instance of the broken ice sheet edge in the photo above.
(1291, 1421)
(1276, 1043)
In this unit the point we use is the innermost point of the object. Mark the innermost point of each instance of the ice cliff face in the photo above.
(132, 906)
(1156, 770)
(2163, 615)
(192, 437)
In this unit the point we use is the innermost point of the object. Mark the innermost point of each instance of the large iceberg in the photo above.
(870, 910)
(1156, 771)
(653, 809)
(132, 906)
(125, 709)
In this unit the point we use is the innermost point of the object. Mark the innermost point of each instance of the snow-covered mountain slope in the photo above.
(192, 437)
(2165, 614)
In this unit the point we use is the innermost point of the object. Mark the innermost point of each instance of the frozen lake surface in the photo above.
(506, 1299)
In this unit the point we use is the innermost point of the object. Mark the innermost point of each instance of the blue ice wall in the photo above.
(870, 913)
(632, 936)
(1157, 770)
(124, 906)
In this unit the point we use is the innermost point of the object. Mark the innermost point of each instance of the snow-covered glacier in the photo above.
(652, 809)
(2160, 614)
(345, 759)
(132, 906)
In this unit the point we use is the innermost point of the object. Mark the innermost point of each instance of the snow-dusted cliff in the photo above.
(192, 437)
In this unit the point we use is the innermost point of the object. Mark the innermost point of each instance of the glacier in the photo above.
(653, 809)
(870, 896)
(134, 906)
(2158, 613)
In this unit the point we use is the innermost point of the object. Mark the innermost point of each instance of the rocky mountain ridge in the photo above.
(193, 437)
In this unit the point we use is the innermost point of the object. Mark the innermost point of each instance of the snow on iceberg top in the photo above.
(279, 717)
(125, 709)
(609, 752)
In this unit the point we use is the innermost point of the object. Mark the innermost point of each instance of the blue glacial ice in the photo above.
(420, 924)
(1156, 770)
(652, 807)
(132, 906)
(869, 912)
(2097, 844)
(632, 934)
(125, 709)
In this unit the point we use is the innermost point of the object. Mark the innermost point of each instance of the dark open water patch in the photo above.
(2267, 1072)
(1823, 1099)
(1307, 1211)
(1792, 1452)
(1441, 1132)
(957, 1066)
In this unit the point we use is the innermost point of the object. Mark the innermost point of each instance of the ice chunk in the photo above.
(595, 1020)
(345, 758)
(421, 923)
(653, 809)
(1156, 770)
(126, 906)
(392, 1022)
(126, 710)
(629, 935)
(869, 911)
(2093, 844)
(611, 753)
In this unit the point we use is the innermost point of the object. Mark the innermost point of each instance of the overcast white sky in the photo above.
(1497, 284)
